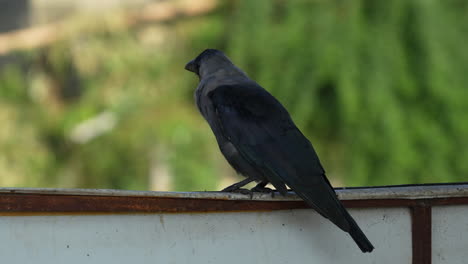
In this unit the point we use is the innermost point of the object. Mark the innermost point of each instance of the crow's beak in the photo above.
(191, 66)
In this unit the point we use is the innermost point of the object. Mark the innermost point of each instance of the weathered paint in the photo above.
(450, 234)
(285, 236)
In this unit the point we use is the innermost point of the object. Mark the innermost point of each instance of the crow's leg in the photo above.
(237, 186)
(260, 187)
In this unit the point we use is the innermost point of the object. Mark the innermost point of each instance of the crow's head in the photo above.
(195, 64)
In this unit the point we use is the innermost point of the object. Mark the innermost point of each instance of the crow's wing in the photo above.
(266, 137)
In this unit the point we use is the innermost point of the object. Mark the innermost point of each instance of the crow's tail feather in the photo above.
(358, 236)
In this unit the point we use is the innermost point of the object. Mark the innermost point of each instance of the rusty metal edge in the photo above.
(49, 203)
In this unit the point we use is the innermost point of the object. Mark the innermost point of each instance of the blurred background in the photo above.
(93, 94)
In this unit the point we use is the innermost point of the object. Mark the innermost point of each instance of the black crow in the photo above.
(260, 141)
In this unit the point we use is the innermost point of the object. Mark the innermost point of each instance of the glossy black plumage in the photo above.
(259, 139)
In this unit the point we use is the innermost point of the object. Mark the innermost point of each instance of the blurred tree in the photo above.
(97, 113)
(378, 87)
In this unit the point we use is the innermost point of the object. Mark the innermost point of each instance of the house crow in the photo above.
(259, 139)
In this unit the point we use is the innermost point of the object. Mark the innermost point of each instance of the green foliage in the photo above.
(132, 81)
(378, 86)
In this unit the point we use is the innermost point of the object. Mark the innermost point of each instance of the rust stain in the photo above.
(161, 220)
(123, 204)
(369, 203)
(15, 203)
(421, 232)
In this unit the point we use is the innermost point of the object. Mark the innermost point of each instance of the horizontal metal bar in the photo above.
(47, 203)
(360, 193)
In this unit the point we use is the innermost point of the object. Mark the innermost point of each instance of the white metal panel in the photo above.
(292, 236)
(450, 234)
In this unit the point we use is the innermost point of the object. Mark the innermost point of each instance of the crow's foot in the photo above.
(243, 191)
(238, 185)
(262, 189)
